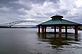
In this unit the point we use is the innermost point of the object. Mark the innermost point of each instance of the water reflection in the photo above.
(56, 41)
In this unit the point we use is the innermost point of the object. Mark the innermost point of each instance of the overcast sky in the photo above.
(14, 10)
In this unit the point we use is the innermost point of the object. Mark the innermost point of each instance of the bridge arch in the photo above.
(22, 21)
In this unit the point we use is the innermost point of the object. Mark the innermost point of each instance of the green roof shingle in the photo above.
(58, 22)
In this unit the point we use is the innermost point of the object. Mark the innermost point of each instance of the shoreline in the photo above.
(16, 27)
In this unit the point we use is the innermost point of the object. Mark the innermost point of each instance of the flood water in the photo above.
(27, 41)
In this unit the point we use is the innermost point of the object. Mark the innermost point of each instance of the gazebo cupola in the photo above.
(56, 17)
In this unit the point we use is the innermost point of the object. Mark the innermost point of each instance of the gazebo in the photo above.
(57, 21)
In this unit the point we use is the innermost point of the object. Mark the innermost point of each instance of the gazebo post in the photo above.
(60, 30)
(76, 32)
(42, 29)
(45, 29)
(66, 32)
(55, 31)
(38, 29)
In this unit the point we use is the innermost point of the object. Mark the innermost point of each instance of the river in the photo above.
(27, 41)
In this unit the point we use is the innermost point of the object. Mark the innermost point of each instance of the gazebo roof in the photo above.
(57, 20)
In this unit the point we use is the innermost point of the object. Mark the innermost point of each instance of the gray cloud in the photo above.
(13, 10)
(38, 1)
(6, 2)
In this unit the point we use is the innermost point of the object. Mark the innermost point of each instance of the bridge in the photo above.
(21, 21)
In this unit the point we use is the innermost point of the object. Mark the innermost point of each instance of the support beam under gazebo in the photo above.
(76, 32)
(45, 29)
(55, 31)
(60, 31)
(66, 32)
(42, 29)
(38, 29)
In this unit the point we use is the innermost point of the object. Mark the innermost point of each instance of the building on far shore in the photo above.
(57, 21)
